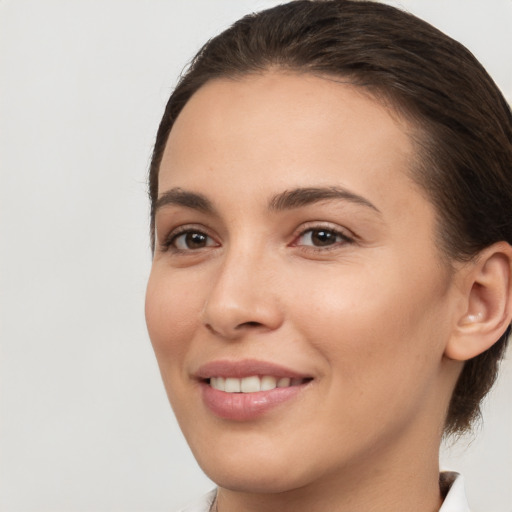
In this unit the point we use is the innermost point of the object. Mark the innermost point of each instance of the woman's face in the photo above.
(294, 250)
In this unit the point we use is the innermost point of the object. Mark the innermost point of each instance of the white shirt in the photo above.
(455, 500)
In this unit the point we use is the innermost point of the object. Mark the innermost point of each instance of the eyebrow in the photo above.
(180, 197)
(295, 198)
(287, 200)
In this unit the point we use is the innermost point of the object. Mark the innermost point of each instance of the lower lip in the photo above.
(246, 406)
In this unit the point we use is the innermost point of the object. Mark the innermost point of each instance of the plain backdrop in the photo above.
(85, 424)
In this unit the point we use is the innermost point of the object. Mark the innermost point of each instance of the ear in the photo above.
(487, 303)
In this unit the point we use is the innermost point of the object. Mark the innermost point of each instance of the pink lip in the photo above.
(245, 368)
(245, 406)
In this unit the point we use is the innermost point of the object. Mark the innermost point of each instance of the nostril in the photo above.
(250, 324)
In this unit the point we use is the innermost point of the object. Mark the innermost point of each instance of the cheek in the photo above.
(382, 349)
(376, 327)
(171, 317)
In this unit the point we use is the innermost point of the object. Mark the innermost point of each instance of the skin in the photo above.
(369, 317)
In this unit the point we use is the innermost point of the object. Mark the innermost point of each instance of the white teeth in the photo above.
(268, 382)
(232, 385)
(252, 384)
(218, 383)
(283, 382)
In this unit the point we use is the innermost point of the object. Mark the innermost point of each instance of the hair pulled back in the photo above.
(464, 124)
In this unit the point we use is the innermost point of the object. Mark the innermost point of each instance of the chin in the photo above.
(257, 480)
(253, 471)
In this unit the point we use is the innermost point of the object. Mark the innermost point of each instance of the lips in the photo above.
(245, 368)
(245, 390)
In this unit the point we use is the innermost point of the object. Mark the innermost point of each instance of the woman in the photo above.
(331, 284)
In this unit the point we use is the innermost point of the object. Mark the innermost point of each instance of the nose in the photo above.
(243, 298)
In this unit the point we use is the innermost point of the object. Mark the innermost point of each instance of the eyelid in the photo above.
(168, 240)
(348, 236)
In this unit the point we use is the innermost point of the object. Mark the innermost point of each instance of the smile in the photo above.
(253, 384)
(246, 390)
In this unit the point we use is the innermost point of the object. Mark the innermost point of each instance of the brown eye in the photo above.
(321, 237)
(190, 240)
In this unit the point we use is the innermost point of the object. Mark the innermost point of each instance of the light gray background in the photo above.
(85, 424)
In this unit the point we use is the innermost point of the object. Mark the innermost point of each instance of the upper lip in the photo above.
(245, 368)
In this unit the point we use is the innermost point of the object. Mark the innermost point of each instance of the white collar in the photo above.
(455, 500)
(204, 504)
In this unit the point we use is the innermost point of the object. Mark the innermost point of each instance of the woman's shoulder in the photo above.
(203, 505)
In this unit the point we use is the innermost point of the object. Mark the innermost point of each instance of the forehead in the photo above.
(286, 129)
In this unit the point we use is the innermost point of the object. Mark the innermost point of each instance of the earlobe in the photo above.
(487, 308)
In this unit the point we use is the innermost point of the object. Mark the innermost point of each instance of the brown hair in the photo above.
(465, 124)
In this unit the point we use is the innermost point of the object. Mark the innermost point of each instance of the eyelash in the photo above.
(340, 237)
(170, 242)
